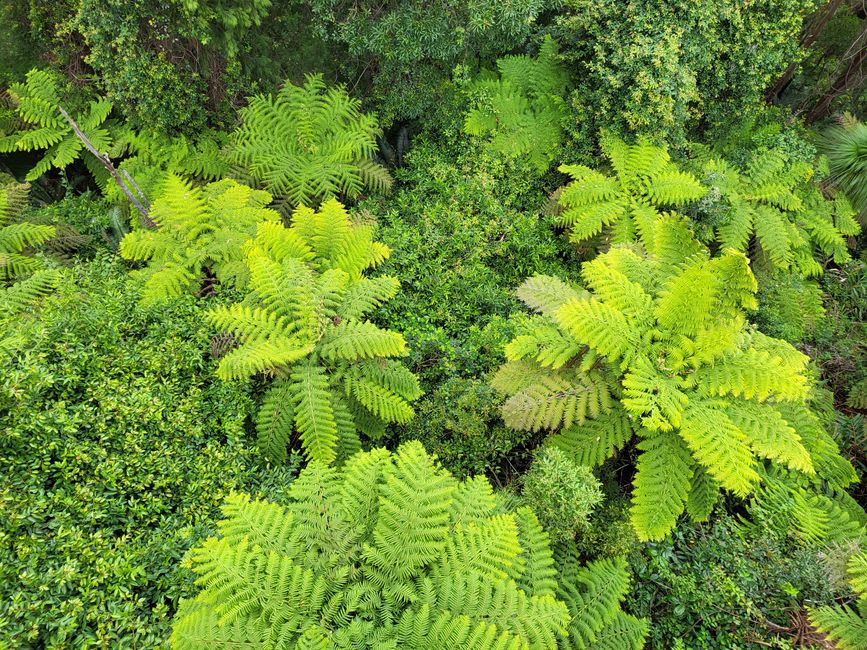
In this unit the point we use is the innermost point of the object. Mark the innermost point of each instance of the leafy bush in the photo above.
(393, 550)
(118, 443)
(659, 347)
(464, 231)
(308, 143)
(561, 493)
(173, 66)
(459, 422)
(302, 323)
(662, 69)
(712, 587)
(413, 46)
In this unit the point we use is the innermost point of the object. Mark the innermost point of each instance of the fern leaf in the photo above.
(546, 294)
(595, 441)
(352, 340)
(661, 485)
(275, 422)
(720, 446)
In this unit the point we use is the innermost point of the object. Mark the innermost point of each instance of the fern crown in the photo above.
(303, 324)
(625, 205)
(659, 347)
(521, 112)
(393, 552)
(308, 143)
(36, 103)
(772, 201)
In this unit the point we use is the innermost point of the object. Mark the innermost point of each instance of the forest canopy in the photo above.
(499, 324)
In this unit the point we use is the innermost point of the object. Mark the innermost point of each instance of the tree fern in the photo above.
(846, 625)
(308, 143)
(375, 555)
(771, 201)
(16, 241)
(624, 205)
(846, 148)
(521, 113)
(303, 323)
(661, 343)
(36, 103)
(199, 231)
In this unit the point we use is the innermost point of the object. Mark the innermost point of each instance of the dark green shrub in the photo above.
(711, 586)
(459, 422)
(118, 444)
(411, 47)
(464, 232)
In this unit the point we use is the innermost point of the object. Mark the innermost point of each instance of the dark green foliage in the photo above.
(459, 422)
(167, 64)
(710, 587)
(118, 444)
(662, 69)
(412, 46)
(464, 232)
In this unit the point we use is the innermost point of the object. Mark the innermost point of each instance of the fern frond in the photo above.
(314, 415)
(661, 485)
(595, 441)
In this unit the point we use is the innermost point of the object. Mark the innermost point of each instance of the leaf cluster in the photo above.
(303, 323)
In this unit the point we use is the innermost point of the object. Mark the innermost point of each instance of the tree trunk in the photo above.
(853, 76)
(809, 36)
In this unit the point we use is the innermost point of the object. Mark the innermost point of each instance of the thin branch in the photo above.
(106, 162)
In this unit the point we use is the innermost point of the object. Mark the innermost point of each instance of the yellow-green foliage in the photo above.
(522, 111)
(16, 238)
(846, 625)
(308, 143)
(771, 201)
(303, 323)
(659, 347)
(392, 552)
(624, 205)
(198, 230)
(36, 102)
